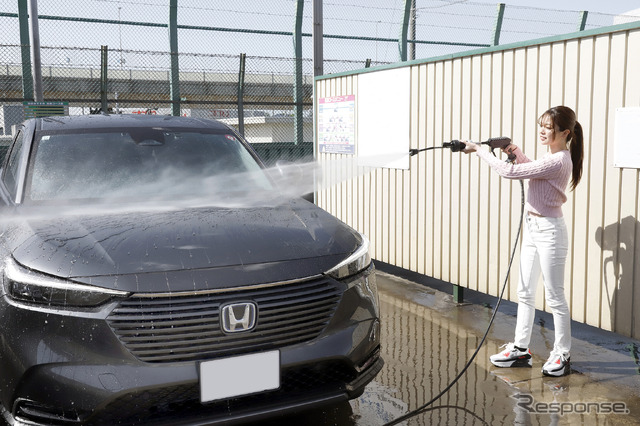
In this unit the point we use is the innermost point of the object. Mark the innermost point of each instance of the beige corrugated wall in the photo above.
(451, 218)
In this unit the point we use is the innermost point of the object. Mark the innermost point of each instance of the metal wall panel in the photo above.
(451, 218)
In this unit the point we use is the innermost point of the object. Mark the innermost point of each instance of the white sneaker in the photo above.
(511, 357)
(558, 364)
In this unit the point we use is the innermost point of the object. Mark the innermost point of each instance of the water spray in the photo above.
(457, 146)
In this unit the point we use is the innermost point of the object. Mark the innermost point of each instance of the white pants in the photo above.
(544, 250)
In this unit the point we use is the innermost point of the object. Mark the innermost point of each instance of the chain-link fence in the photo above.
(211, 37)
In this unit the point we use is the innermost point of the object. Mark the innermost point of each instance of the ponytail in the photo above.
(563, 118)
(576, 148)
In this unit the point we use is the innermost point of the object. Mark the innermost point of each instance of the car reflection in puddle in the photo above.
(426, 341)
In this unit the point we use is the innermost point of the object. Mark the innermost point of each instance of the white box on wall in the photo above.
(626, 138)
(383, 118)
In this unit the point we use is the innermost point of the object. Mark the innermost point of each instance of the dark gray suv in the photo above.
(153, 272)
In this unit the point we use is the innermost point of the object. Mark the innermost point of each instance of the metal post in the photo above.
(458, 293)
(412, 31)
(583, 20)
(174, 75)
(402, 41)
(297, 88)
(318, 66)
(27, 77)
(367, 63)
(318, 70)
(36, 63)
(243, 57)
(104, 56)
(498, 27)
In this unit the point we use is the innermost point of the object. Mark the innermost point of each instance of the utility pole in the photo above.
(174, 76)
(318, 68)
(412, 31)
(36, 62)
(298, 122)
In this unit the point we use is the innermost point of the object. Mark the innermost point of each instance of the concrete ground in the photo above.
(427, 340)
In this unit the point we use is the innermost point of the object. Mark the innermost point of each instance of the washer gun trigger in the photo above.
(500, 143)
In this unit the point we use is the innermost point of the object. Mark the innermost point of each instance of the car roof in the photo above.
(125, 120)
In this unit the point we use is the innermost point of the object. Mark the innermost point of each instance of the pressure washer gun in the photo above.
(456, 146)
(500, 143)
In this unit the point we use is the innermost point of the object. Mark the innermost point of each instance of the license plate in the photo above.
(240, 375)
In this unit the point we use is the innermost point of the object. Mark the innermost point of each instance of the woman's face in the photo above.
(547, 132)
(550, 137)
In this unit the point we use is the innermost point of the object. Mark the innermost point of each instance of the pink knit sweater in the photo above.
(548, 178)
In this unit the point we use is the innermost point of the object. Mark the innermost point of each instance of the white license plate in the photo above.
(240, 375)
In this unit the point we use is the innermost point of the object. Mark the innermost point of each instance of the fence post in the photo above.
(174, 79)
(402, 42)
(243, 57)
(25, 46)
(297, 87)
(498, 26)
(582, 20)
(104, 54)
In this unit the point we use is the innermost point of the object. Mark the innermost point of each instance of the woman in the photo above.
(545, 241)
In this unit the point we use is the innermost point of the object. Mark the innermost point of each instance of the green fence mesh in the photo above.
(211, 37)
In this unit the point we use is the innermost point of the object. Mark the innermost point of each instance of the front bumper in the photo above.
(67, 368)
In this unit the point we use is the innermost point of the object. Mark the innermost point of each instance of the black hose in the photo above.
(424, 408)
(414, 151)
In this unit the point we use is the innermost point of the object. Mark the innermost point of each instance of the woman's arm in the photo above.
(545, 168)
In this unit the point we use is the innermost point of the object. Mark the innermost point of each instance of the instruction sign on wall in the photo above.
(626, 143)
(336, 125)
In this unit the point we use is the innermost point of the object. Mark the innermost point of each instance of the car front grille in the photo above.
(186, 327)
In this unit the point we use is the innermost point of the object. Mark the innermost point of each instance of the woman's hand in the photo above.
(509, 148)
(470, 147)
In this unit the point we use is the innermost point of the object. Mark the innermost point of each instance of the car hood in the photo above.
(186, 249)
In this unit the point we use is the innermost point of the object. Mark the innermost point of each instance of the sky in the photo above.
(459, 21)
(602, 6)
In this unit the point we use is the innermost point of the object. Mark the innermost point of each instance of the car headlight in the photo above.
(353, 264)
(29, 286)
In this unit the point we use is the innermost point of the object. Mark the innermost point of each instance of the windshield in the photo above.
(143, 164)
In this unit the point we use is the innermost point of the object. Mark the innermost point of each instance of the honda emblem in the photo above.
(238, 317)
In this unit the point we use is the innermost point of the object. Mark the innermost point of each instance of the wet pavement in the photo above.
(427, 339)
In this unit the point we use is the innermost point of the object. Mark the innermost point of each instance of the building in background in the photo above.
(10, 115)
(625, 18)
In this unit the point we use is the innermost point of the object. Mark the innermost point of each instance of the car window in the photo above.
(141, 164)
(11, 172)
